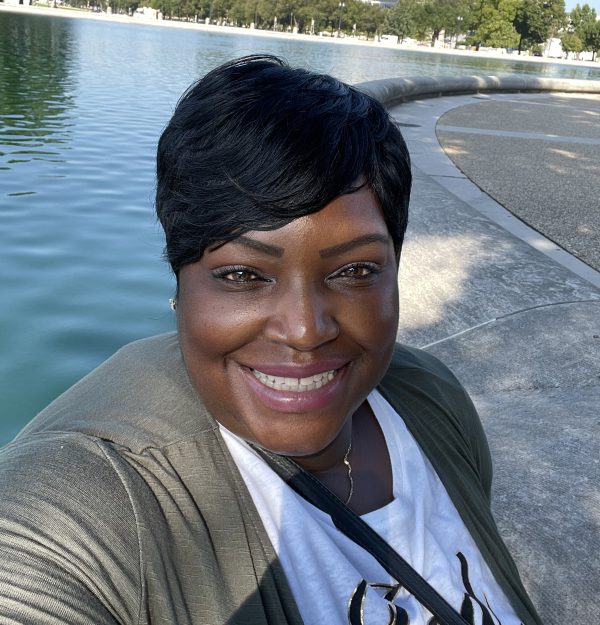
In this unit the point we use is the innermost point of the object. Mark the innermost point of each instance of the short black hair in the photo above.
(255, 144)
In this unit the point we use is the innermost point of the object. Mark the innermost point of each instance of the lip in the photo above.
(291, 401)
(300, 371)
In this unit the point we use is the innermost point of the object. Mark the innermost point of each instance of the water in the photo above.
(82, 104)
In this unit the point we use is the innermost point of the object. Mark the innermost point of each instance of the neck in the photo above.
(331, 458)
(371, 468)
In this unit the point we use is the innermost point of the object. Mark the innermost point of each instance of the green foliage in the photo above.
(434, 16)
(37, 61)
(571, 42)
(581, 18)
(583, 23)
(400, 20)
(496, 25)
(538, 20)
(592, 41)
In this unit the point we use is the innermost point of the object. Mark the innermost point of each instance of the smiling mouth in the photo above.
(296, 385)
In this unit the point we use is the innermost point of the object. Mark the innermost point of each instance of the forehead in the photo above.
(348, 219)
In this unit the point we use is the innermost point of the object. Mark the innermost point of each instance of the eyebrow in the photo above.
(365, 239)
(271, 250)
(327, 252)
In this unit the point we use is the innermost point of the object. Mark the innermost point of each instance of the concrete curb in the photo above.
(390, 91)
(418, 120)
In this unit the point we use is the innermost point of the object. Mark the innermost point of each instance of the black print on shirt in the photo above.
(399, 616)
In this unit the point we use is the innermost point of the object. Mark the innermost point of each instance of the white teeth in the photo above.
(298, 385)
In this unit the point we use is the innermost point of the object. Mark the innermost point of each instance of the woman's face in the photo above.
(285, 332)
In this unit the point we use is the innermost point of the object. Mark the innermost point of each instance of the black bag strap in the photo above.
(362, 534)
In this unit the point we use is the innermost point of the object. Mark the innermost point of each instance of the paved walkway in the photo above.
(539, 156)
(517, 318)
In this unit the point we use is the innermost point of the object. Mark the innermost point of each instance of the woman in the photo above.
(147, 493)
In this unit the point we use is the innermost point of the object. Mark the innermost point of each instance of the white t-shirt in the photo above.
(334, 581)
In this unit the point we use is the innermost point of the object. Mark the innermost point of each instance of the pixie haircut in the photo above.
(256, 144)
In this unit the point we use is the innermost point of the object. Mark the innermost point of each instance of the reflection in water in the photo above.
(355, 64)
(35, 88)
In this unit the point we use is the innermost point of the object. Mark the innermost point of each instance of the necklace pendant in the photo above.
(349, 467)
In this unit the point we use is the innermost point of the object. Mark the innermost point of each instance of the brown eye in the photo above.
(358, 271)
(355, 272)
(240, 275)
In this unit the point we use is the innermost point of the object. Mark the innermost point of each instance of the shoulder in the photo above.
(408, 359)
(65, 473)
(141, 397)
(436, 408)
(68, 527)
(426, 378)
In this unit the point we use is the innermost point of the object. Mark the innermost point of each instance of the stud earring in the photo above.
(173, 303)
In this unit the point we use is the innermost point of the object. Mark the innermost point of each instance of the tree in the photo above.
(592, 41)
(369, 19)
(438, 15)
(400, 19)
(164, 6)
(538, 20)
(473, 14)
(583, 23)
(192, 9)
(496, 28)
(372, 20)
(581, 19)
(326, 14)
(571, 42)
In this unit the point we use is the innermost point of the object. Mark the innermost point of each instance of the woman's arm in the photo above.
(69, 549)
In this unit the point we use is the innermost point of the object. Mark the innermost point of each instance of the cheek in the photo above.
(389, 301)
(214, 328)
(375, 314)
(208, 334)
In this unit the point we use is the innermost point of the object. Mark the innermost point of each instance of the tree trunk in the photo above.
(520, 43)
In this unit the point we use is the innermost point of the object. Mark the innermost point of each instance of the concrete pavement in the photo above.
(517, 318)
(545, 152)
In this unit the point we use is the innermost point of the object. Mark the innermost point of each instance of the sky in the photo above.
(570, 4)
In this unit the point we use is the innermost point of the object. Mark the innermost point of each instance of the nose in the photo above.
(303, 319)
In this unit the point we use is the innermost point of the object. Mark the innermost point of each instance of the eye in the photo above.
(357, 271)
(238, 275)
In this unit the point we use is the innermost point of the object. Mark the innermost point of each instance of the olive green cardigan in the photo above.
(120, 503)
